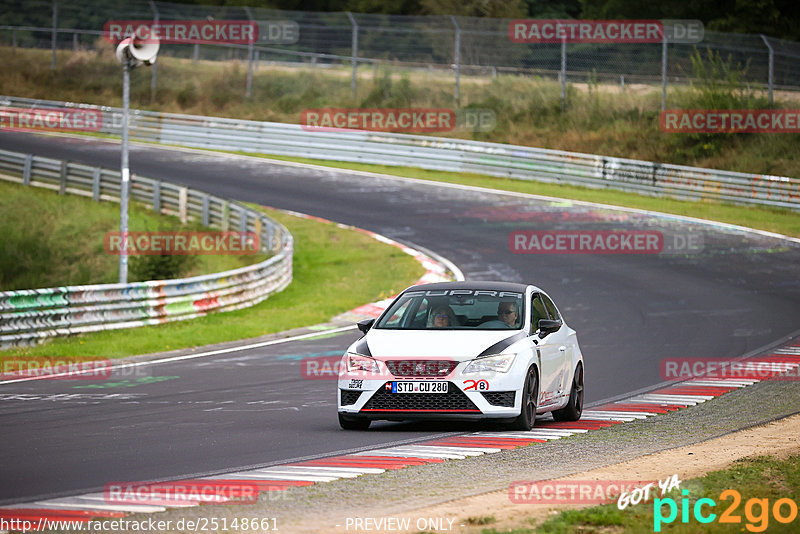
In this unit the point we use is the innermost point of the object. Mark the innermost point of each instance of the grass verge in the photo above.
(335, 270)
(49, 240)
(777, 220)
(760, 482)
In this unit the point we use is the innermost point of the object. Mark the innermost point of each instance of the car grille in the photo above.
(421, 368)
(500, 398)
(453, 401)
(349, 396)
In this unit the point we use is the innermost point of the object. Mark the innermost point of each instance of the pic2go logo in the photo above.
(756, 511)
(476, 385)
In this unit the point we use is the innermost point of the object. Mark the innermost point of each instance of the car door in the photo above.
(548, 353)
(561, 340)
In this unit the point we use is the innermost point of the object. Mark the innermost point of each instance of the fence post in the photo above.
(74, 42)
(26, 169)
(563, 73)
(664, 72)
(457, 61)
(54, 34)
(154, 73)
(354, 54)
(196, 55)
(250, 58)
(771, 66)
(14, 39)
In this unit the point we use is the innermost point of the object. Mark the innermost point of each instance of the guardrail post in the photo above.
(62, 186)
(258, 229)
(196, 54)
(26, 169)
(205, 210)
(226, 212)
(182, 202)
(96, 184)
(157, 196)
(354, 54)
(457, 61)
(771, 66)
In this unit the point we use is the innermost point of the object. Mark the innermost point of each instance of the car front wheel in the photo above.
(353, 423)
(530, 396)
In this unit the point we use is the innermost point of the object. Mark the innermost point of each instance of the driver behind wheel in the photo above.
(508, 313)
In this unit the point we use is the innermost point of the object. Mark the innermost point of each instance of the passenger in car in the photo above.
(442, 317)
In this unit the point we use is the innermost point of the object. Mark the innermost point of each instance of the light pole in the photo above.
(131, 53)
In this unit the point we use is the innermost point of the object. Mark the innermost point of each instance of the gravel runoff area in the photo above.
(326, 505)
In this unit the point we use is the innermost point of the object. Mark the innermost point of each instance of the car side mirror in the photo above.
(548, 326)
(365, 325)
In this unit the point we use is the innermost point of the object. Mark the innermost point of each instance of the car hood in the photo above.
(452, 344)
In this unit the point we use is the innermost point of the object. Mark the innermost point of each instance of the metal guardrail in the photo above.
(28, 316)
(509, 161)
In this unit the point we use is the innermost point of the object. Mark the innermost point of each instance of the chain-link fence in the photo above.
(457, 45)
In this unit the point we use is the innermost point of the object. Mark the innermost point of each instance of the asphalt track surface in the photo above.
(735, 293)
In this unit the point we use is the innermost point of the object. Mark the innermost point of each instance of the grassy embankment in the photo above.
(47, 240)
(51, 240)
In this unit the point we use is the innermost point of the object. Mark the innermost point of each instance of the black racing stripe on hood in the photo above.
(503, 344)
(362, 347)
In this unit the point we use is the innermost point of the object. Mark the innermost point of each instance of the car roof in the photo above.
(481, 285)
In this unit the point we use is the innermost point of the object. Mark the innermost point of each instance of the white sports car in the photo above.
(463, 350)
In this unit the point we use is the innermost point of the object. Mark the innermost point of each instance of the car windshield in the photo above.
(455, 309)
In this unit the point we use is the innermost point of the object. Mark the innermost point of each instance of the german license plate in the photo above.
(419, 387)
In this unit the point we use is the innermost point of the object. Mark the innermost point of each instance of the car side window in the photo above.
(538, 311)
(551, 308)
(398, 315)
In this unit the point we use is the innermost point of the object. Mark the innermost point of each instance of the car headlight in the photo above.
(499, 363)
(356, 363)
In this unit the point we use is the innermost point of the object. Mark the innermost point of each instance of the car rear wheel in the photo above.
(530, 396)
(572, 411)
(348, 422)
